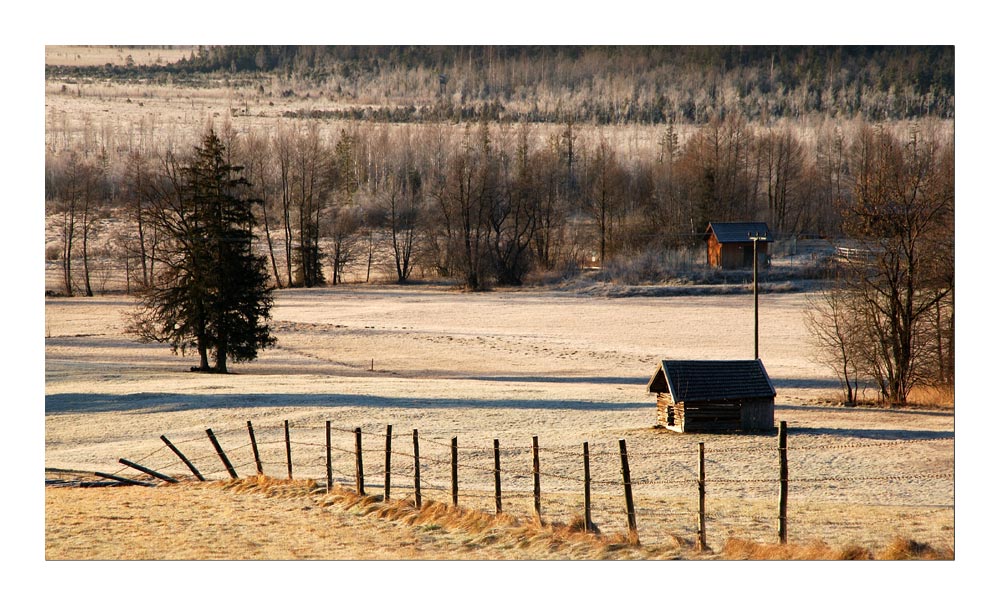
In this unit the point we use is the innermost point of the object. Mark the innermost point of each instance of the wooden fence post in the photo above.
(288, 450)
(454, 471)
(222, 454)
(588, 524)
(359, 463)
(128, 481)
(388, 461)
(537, 473)
(253, 445)
(496, 475)
(329, 459)
(783, 483)
(147, 471)
(416, 469)
(629, 503)
(701, 497)
(190, 465)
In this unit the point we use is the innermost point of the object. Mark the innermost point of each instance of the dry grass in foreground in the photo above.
(899, 549)
(524, 539)
(261, 518)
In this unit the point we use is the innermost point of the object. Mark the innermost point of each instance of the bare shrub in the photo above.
(53, 252)
(653, 267)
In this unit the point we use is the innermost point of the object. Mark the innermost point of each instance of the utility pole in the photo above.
(755, 238)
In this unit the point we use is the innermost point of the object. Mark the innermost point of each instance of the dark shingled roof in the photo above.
(737, 232)
(711, 380)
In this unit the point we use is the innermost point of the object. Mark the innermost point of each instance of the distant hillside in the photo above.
(592, 84)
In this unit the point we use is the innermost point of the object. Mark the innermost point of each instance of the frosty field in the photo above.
(510, 365)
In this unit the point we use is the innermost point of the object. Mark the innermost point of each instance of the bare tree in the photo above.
(513, 216)
(138, 179)
(309, 156)
(831, 177)
(341, 226)
(550, 209)
(464, 200)
(260, 172)
(93, 200)
(62, 196)
(838, 329)
(782, 157)
(438, 250)
(283, 146)
(74, 193)
(603, 194)
(902, 215)
(401, 206)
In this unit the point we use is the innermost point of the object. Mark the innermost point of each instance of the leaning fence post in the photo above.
(537, 473)
(783, 483)
(388, 460)
(416, 469)
(222, 454)
(128, 481)
(454, 471)
(359, 463)
(256, 453)
(190, 465)
(496, 475)
(329, 459)
(629, 504)
(701, 497)
(588, 524)
(148, 471)
(288, 450)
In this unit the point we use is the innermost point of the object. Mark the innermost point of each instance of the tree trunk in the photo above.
(371, 246)
(270, 244)
(88, 291)
(69, 224)
(141, 230)
(221, 354)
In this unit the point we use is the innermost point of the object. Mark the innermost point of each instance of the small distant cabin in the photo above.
(713, 395)
(730, 245)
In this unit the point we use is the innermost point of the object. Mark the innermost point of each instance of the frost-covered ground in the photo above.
(508, 365)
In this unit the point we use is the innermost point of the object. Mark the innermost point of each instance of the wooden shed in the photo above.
(730, 245)
(713, 395)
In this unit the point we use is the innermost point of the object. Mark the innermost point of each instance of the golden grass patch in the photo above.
(262, 518)
(899, 549)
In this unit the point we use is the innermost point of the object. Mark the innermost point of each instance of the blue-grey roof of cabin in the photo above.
(738, 232)
(711, 380)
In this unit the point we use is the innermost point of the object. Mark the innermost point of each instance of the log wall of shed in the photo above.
(748, 415)
(666, 415)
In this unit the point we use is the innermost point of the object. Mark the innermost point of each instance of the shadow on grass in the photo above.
(801, 383)
(639, 382)
(168, 402)
(870, 434)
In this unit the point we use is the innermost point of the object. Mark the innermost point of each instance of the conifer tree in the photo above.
(214, 294)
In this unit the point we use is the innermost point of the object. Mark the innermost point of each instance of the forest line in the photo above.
(483, 203)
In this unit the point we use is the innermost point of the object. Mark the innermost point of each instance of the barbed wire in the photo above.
(519, 470)
(662, 482)
(927, 476)
(876, 444)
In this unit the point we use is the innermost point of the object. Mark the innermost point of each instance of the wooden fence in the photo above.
(487, 478)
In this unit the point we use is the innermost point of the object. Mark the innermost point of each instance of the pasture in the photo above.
(505, 365)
